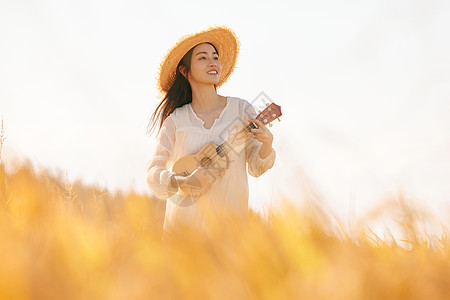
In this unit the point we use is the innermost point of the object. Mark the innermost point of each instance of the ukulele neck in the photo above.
(270, 113)
(238, 137)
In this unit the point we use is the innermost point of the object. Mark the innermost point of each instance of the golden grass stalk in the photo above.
(64, 240)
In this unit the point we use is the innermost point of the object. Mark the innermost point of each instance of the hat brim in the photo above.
(223, 38)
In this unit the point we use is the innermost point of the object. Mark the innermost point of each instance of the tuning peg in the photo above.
(267, 104)
(270, 125)
(278, 119)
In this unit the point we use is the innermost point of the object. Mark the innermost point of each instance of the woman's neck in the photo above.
(206, 99)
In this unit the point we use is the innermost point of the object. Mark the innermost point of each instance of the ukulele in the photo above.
(215, 156)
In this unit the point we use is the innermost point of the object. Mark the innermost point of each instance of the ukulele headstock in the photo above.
(270, 113)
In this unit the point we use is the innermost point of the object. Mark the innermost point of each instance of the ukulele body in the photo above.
(207, 156)
(186, 165)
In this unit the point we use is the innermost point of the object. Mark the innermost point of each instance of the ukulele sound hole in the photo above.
(206, 161)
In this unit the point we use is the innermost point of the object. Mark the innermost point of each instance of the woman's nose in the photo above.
(212, 62)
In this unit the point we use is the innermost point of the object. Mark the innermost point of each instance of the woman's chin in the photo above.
(211, 82)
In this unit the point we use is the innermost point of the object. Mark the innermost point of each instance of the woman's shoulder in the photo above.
(236, 99)
(180, 111)
(240, 102)
(243, 106)
(176, 117)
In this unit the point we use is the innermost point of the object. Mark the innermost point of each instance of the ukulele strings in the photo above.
(224, 148)
(228, 145)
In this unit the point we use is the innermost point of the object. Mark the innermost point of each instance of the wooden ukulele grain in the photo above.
(205, 157)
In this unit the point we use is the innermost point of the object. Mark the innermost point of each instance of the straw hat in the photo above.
(223, 38)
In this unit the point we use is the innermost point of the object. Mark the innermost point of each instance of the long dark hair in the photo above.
(179, 94)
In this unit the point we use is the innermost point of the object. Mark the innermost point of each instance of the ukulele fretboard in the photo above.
(235, 139)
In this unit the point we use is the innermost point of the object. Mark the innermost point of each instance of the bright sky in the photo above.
(364, 87)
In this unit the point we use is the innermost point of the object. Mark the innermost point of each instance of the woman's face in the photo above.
(205, 65)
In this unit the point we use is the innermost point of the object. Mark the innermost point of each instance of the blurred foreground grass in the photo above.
(62, 240)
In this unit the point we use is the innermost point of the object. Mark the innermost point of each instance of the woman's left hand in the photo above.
(261, 133)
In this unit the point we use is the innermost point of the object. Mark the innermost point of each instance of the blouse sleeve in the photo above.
(158, 175)
(256, 165)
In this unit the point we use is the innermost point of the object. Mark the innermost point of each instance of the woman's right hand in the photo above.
(203, 177)
(191, 187)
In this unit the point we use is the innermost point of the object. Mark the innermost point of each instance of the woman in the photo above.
(191, 115)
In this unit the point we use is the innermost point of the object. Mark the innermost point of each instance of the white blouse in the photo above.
(183, 133)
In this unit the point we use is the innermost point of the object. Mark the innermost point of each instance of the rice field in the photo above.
(64, 240)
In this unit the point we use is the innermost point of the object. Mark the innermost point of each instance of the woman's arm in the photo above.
(259, 152)
(201, 178)
(158, 175)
